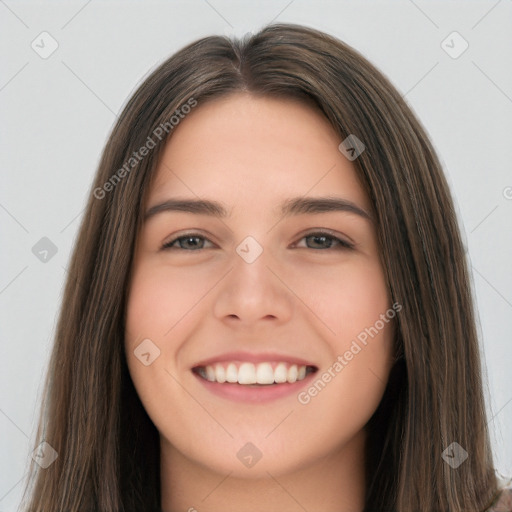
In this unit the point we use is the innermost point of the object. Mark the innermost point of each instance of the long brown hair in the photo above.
(108, 448)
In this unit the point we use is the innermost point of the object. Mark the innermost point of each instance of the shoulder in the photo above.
(504, 501)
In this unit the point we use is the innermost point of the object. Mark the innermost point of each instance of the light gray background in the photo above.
(57, 113)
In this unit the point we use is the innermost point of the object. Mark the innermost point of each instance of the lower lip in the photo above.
(254, 394)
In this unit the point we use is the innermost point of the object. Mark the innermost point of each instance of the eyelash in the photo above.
(341, 244)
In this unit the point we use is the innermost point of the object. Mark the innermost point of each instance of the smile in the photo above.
(247, 374)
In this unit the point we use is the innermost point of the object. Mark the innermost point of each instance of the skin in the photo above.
(299, 297)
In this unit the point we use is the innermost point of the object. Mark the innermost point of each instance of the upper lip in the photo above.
(259, 357)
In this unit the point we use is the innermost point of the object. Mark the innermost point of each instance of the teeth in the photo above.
(264, 374)
(231, 373)
(249, 373)
(280, 373)
(210, 373)
(220, 373)
(293, 373)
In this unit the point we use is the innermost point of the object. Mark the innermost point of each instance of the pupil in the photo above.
(323, 238)
(192, 238)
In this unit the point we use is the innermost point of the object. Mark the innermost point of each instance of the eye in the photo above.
(321, 240)
(186, 242)
(327, 241)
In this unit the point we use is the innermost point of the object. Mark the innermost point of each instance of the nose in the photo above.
(253, 290)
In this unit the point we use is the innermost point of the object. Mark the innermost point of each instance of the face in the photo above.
(260, 326)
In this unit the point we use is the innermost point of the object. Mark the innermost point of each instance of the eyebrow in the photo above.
(293, 206)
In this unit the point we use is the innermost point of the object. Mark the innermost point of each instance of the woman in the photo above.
(314, 348)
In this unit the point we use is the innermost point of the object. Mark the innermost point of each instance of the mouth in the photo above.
(254, 382)
(254, 374)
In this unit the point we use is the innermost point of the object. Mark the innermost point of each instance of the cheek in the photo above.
(156, 304)
(159, 299)
(354, 304)
(347, 390)
(347, 299)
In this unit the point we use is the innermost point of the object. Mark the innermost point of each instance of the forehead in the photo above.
(244, 148)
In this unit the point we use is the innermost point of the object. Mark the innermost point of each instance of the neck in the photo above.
(335, 483)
